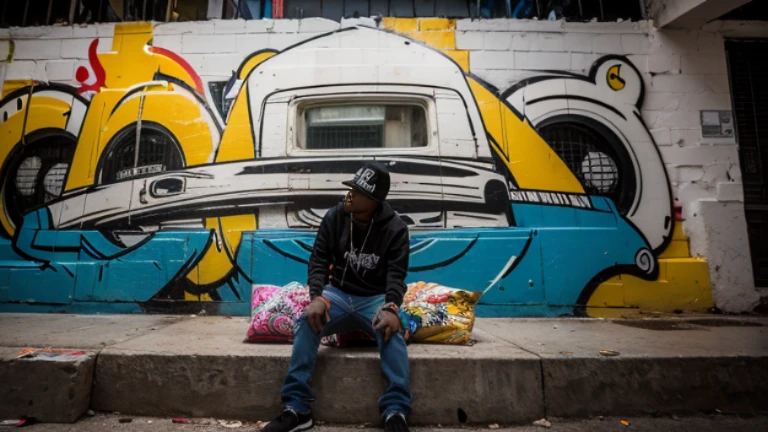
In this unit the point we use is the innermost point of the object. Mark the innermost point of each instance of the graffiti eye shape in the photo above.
(615, 81)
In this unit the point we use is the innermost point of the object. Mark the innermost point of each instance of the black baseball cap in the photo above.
(372, 180)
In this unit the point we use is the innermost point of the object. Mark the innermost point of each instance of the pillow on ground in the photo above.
(430, 313)
(438, 314)
(274, 310)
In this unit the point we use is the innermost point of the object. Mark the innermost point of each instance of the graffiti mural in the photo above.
(137, 192)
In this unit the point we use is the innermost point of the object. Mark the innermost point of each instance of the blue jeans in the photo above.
(348, 312)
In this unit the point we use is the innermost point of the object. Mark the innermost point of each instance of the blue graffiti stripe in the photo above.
(540, 267)
(84, 266)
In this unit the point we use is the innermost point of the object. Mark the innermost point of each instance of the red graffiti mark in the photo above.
(82, 75)
(183, 63)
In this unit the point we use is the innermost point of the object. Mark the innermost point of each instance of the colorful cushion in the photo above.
(438, 314)
(431, 313)
(274, 310)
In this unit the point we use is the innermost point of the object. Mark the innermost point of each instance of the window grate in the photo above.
(582, 150)
(158, 152)
(364, 126)
(345, 137)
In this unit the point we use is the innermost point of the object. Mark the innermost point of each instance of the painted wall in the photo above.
(217, 199)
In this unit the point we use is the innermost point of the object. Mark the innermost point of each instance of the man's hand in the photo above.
(389, 323)
(317, 314)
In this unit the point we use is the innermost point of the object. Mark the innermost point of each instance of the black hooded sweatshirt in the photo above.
(377, 267)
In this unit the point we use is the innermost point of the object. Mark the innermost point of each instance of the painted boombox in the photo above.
(139, 150)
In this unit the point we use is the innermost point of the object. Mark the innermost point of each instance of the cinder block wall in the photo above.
(683, 71)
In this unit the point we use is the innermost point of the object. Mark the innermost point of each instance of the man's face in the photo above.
(356, 202)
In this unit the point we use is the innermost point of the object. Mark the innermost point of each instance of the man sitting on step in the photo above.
(362, 248)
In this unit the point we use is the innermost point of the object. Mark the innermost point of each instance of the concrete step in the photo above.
(55, 390)
(520, 370)
(201, 368)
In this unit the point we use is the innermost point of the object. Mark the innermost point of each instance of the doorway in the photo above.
(748, 69)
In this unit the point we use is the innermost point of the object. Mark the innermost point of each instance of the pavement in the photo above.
(712, 423)
(520, 370)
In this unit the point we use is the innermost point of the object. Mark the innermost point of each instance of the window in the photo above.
(364, 126)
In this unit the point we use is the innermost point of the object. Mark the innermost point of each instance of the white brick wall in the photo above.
(169, 42)
(634, 44)
(469, 40)
(313, 25)
(5, 49)
(78, 48)
(607, 44)
(578, 42)
(60, 70)
(229, 26)
(542, 61)
(24, 70)
(497, 41)
(248, 43)
(492, 60)
(203, 44)
(583, 62)
(551, 42)
(37, 49)
(525, 42)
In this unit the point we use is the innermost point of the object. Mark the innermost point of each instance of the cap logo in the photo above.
(364, 178)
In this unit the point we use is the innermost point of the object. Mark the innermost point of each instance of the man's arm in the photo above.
(397, 261)
(320, 260)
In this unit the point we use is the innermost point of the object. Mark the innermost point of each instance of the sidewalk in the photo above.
(519, 371)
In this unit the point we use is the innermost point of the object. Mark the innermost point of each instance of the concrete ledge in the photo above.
(520, 370)
(158, 375)
(56, 390)
(580, 387)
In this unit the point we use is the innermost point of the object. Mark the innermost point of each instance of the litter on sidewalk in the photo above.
(47, 353)
(14, 423)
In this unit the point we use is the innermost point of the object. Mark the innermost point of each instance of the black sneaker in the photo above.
(290, 421)
(395, 422)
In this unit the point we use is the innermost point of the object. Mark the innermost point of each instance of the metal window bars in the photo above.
(49, 12)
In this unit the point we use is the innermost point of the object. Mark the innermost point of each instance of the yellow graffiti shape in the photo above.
(185, 119)
(131, 62)
(683, 284)
(252, 61)
(82, 170)
(237, 141)
(216, 264)
(532, 162)
(615, 81)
